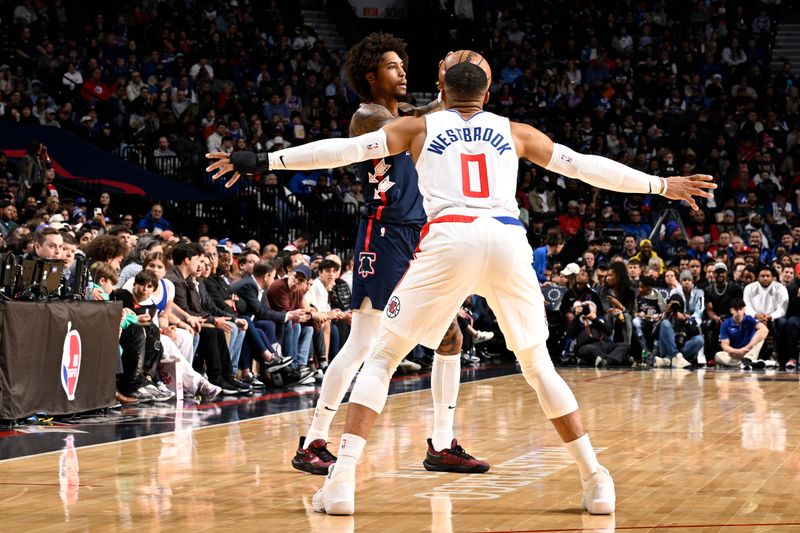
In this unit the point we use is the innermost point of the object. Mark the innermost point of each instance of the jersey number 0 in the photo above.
(474, 179)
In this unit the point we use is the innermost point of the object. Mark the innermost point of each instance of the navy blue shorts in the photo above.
(382, 254)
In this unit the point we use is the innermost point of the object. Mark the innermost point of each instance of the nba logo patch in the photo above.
(71, 361)
(393, 308)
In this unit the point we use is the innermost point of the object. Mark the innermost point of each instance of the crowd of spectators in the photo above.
(665, 87)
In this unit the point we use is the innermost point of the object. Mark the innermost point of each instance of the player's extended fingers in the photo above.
(217, 155)
(233, 180)
(215, 165)
(222, 171)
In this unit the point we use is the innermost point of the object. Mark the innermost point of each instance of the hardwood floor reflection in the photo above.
(689, 451)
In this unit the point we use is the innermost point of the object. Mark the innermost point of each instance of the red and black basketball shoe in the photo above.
(315, 459)
(453, 459)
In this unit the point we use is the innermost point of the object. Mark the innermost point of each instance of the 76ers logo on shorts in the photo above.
(365, 260)
(71, 361)
(393, 307)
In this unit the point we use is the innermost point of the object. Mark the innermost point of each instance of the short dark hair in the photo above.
(648, 281)
(184, 251)
(554, 237)
(262, 268)
(737, 303)
(101, 270)
(365, 57)
(766, 267)
(465, 81)
(40, 236)
(116, 230)
(146, 277)
(327, 264)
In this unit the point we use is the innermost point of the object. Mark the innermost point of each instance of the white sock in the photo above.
(581, 450)
(445, 380)
(323, 416)
(350, 451)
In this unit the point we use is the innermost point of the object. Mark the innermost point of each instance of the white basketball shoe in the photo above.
(338, 493)
(598, 493)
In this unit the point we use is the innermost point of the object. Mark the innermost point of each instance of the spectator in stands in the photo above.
(787, 327)
(133, 264)
(154, 220)
(650, 306)
(678, 331)
(718, 297)
(141, 367)
(299, 243)
(594, 338)
(108, 249)
(741, 338)
(582, 292)
(544, 255)
(212, 349)
(319, 296)
(766, 299)
(235, 328)
(287, 295)
(619, 300)
(48, 244)
(252, 303)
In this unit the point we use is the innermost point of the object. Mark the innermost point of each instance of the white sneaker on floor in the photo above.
(679, 361)
(483, 336)
(701, 358)
(338, 493)
(662, 362)
(598, 493)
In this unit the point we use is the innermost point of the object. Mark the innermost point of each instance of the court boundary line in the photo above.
(222, 424)
(632, 528)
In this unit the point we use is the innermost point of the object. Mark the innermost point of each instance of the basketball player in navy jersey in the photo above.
(467, 161)
(388, 234)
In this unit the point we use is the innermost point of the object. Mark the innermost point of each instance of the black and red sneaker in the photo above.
(453, 459)
(315, 459)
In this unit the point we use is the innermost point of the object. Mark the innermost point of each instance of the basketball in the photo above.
(459, 56)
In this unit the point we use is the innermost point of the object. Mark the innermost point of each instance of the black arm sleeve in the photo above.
(247, 162)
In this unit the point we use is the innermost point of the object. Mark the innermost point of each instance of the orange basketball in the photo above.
(459, 56)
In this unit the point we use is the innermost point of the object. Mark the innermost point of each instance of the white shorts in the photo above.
(459, 256)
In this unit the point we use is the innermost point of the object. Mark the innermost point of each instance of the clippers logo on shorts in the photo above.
(71, 361)
(365, 261)
(393, 307)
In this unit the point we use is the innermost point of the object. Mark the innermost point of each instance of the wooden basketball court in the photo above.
(689, 451)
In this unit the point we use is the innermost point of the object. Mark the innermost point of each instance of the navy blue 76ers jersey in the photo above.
(391, 193)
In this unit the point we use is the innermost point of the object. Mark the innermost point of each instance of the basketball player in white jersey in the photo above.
(467, 164)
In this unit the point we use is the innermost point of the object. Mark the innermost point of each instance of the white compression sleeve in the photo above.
(602, 172)
(331, 153)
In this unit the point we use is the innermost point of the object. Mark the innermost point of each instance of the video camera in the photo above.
(36, 279)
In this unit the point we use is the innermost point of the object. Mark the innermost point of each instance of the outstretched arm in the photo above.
(392, 139)
(605, 173)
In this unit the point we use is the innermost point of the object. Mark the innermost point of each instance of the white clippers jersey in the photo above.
(468, 166)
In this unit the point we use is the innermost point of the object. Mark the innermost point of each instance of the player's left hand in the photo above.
(221, 163)
(685, 188)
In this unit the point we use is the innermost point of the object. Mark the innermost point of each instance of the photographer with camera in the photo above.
(592, 338)
(650, 307)
(679, 330)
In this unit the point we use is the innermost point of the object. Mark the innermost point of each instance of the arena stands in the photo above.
(666, 87)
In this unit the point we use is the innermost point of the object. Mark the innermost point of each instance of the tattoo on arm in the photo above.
(451, 343)
(429, 108)
(369, 118)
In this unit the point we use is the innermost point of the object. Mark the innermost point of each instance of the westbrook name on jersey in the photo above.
(468, 166)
